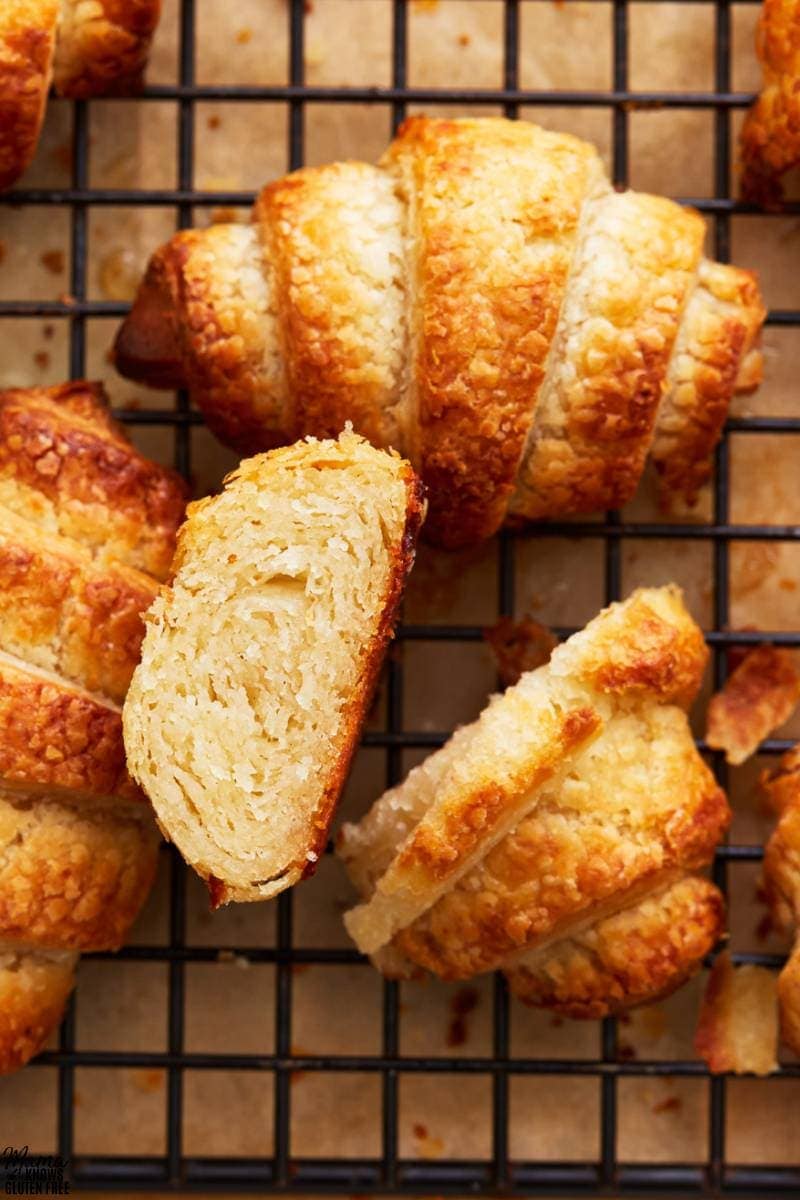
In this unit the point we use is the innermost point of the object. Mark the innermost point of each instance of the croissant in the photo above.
(556, 838)
(770, 142)
(261, 657)
(483, 301)
(782, 883)
(82, 516)
(84, 47)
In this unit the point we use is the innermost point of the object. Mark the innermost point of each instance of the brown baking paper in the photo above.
(229, 1005)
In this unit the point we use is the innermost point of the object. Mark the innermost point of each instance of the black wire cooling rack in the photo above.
(389, 1173)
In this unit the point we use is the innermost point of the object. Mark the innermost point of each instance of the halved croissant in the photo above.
(771, 132)
(483, 301)
(80, 512)
(556, 837)
(84, 47)
(261, 657)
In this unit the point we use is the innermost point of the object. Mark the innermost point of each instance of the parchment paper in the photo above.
(229, 1005)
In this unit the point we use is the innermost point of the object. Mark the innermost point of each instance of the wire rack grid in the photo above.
(389, 1173)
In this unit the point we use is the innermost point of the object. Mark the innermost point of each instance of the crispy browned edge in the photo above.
(24, 1029)
(23, 99)
(708, 1044)
(730, 368)
(770, 139)
(128, 481)
(403, 560)
(781, 790)
(114, 58)
(688, 842)
(656, 967)
(148, 346)
(156, 346)
(715, 1040)
(54, 735)
(756, 698)
(471, 434)
(73, 888)
(518, 646)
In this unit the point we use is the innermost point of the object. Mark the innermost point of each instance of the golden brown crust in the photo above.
(34, 989)
(103, 52)
(519, 646)
(339, 295)
(495, 207)
(148, 345)
(789, 1001)
(88, 49)
(73, 877)
(575, 793)
(738, 1025)
(770, 142)
(27, 44)
(781, 787)
(62, 611)
(633, 271)
(65, 465)
(650, 647)
(403, 561)
(483, 302)
(560, 867)
(757, 698)
(631, 958)
(717, 355)
(55, 735)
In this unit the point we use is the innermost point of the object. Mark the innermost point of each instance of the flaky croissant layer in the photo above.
(483, 301)
(557, 837)
(83, 47)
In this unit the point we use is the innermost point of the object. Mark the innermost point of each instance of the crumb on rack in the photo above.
(757, 698)
(223, 216)
(519, 646)
(738, 1025)
(463, 1002)
(53, 261)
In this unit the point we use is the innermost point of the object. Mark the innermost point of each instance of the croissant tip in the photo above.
(146, 348)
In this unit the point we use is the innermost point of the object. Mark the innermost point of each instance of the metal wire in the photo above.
(281, 1172)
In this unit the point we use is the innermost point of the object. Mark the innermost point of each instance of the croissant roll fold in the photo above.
(83, 517)
(83, 47)
(626, 959)
(770, 142)
(34, 989)
(482, 301)
(575, 806)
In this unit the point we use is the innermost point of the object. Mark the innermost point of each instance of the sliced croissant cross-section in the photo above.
(260, 659)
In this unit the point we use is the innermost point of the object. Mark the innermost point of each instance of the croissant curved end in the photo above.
(147, 348)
